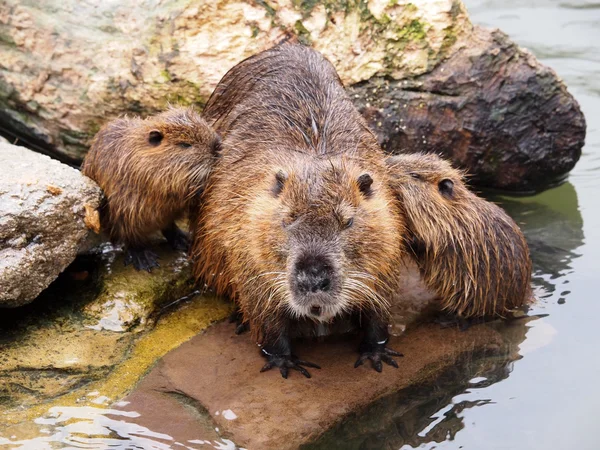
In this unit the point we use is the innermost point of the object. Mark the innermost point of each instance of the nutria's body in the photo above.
(150, 170)
(296, 223)
(471, 254)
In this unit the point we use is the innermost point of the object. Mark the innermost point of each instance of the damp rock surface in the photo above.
(97, 328)
(213, 382)
(43, 207)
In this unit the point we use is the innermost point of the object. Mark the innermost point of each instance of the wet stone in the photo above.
(214, 378)
(98, 327)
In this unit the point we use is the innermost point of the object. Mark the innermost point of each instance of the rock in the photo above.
(490, 107)
(42, 221)
(215, 377)
(97, 328)
(70, 66)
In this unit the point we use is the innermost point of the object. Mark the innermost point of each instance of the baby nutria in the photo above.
(150, 170)
(296, 223)
(471, 254)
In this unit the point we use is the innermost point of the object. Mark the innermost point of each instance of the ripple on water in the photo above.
(100, 428)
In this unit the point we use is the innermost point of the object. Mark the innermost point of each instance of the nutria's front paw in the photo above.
(141, 259)
(286, 362)
(377, 353)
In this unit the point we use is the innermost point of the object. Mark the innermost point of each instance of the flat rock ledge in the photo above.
(43, 206)
(211, 389)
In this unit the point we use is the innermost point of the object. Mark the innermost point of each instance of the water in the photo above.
(540, 391)
(550, 399)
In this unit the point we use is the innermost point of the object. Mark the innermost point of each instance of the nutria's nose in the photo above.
(313, 275)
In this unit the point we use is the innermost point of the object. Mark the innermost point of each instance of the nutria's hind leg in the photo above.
(141, 258)
(177, 238)
(238, 318)
(373, 346)
(278, 353)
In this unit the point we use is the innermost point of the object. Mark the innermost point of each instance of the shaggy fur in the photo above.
(150, 170)
(295, 152)
(470, 252)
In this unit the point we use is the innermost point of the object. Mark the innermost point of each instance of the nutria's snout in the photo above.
(314, 284)
(313, 274)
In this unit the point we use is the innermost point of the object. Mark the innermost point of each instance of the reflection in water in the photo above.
(98, 428)
(431, 413)
(553, 226)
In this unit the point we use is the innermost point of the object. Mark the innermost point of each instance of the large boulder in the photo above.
(422, 74)
(46, 209)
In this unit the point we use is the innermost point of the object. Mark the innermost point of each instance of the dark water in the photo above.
(541, 391)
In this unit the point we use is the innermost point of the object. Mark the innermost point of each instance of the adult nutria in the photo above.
(471, 254)
(296, 223)
(150, 170)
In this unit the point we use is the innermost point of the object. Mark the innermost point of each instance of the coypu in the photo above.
(296, 224)
(150, 170)
(471, 254)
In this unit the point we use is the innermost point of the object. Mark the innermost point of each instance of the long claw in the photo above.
(388, 360)
(302, 370)
(287, 362)
(389, 351)
(377, 365)
(308, 364)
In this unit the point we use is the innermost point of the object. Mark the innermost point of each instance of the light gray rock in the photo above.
(43, 206)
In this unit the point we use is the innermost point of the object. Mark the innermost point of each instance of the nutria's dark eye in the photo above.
(185, 145)
(155, 137)
(280, 178)
(446, 188)
(348, 223)
(364, 184)
(415, 175)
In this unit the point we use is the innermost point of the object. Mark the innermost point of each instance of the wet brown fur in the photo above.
(470, 252)
(147, 187)
(285, 110)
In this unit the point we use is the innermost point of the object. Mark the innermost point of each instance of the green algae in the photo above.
(101, 334)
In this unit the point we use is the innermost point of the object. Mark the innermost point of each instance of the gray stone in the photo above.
(43, 206)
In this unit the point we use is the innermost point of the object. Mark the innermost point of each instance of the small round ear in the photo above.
(280, 179)
(364, 184)
(155, 137)
(216, 146)
(446, 188)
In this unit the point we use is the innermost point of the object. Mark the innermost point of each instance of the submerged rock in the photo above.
(424, 76)
(45, 208)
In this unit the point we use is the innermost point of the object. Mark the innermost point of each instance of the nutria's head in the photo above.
(179, 138)
(471, 252)
(323, 229)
